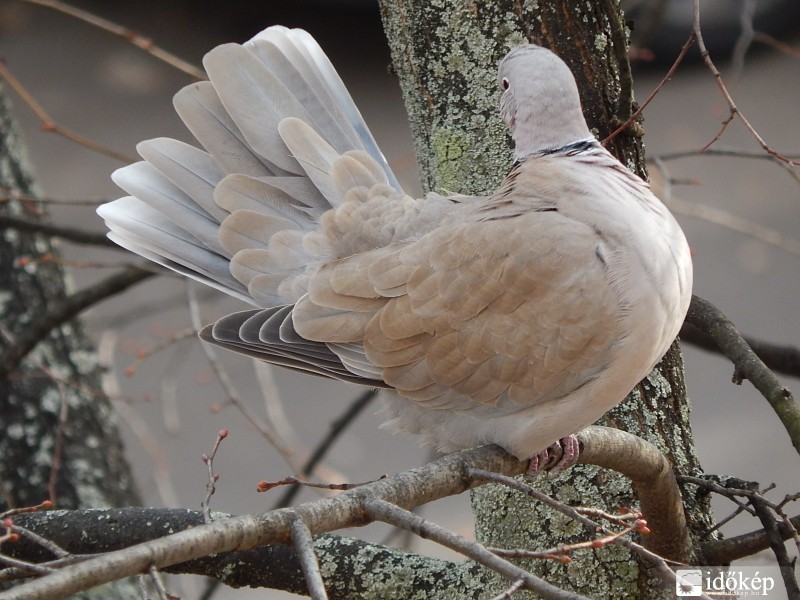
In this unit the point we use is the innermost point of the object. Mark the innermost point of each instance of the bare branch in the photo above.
(381, 510)
(211, 486)
(48, 124)
(654, 93)
(653, 481)
(304, 545)
(418, 486)
(443, 477)
(721, 552)
(71, 234)
(734, 110)
(133, 37)
(709, 319)
(68, 309)
(779, 358)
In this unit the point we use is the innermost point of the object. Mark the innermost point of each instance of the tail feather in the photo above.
(138, 227)
(267, 336)
(256, 211)
(314, 153)
(242, 192)
(203, 113)
(256, 100)
(144, 182)
(298, 72)
(195, 172)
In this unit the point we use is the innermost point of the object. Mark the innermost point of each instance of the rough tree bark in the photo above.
(58, 434)
(445, 55)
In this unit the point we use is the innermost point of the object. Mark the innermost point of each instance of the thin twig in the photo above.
(709, 319)
(48, 124)
(158, 584)
(187, 333)
(232, 396)
(7, 196)
(337, 427)
(730, 221)
(211, 486)
(30, 568)
(507, 593)
(654, 93)
(45, 543)
(131, 36)
(574, 514)
(734, 110)
(750, 490)
(717, 150)
(776, 44)
(265, 486)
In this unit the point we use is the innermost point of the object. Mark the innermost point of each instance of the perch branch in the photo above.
(444, 477)
(781, 359)
(709, 319)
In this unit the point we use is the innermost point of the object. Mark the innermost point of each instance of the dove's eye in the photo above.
(505, 83)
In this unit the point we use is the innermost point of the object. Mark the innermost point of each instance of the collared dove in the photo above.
(516, 318)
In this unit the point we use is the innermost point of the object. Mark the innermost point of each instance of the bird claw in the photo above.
(557, 457)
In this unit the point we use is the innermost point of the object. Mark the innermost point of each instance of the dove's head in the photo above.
(540, 102)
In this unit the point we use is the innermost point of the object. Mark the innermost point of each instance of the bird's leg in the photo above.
(560, 455)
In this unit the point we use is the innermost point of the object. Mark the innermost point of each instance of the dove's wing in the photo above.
(457, 318)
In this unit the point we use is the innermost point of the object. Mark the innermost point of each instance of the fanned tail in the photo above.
(282, 145)
(234, 214)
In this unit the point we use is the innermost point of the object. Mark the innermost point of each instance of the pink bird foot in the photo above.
(557, 457)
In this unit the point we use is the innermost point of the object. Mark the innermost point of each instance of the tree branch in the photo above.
(709, 319)
(380, 510)
(653, 481)
(444, 477)
(78, 236)
(779, 358)
(722, 552)
(63, 312)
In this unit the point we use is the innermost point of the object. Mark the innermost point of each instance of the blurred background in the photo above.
(172, 407)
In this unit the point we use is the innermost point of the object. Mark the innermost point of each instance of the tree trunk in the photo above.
(446, 54)
(59, 437)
